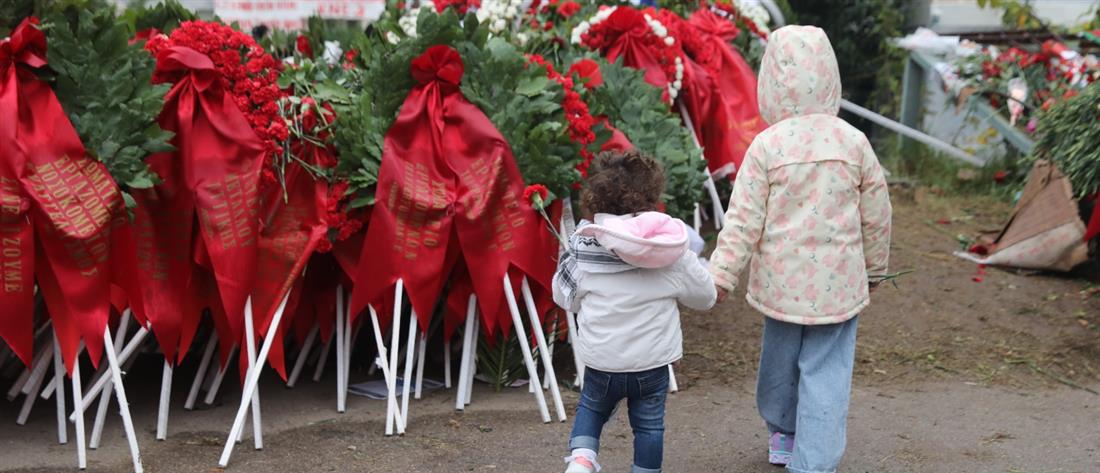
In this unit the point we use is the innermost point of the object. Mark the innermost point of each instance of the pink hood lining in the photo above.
(645, 240)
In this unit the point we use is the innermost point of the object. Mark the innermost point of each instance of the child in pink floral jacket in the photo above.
(810, 216)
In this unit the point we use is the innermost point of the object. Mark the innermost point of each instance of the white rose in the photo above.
(499, 25)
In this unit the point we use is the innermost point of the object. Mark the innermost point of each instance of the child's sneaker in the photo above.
(580, 465)
(780, 447)
(582, 460)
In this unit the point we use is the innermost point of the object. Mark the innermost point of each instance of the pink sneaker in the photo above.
(780, 448)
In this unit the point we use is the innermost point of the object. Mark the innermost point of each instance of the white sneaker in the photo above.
(580, 465)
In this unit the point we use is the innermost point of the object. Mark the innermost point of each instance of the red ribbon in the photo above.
(72, 202)
(214, 176)
(706, 102)
(293, 227)
(736, 81)
(447, 172)
(25, 48)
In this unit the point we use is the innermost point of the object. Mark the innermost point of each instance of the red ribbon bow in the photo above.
(26, 45)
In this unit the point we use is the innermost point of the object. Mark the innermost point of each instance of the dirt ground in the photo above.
(953, 375)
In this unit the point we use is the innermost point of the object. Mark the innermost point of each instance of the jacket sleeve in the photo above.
(696, 284)
(571, 305)
(875, 213)
(744, 221)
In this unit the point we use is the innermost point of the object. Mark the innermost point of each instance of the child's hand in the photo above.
(722, 294)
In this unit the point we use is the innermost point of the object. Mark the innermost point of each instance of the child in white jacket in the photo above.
(810, 211)
(626, 268)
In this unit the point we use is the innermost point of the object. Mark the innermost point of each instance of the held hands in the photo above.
(722, 294)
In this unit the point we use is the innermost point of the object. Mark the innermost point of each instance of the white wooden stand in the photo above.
(204, 366)
(521, 334)
(252, 377)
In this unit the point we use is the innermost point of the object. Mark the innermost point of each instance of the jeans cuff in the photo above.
(584, 441)
(638, 469)
(791, 469)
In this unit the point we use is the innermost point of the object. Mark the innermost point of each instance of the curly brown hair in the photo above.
(622, 183)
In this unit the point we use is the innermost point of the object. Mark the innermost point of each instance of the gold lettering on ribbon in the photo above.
(11, 242)
(286, 243)
(417, 206)
(486, 181)
(234, 209)
(78, 196)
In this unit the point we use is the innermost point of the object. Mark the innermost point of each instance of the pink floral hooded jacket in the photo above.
(810, 212)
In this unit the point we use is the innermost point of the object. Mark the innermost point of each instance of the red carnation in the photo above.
(589, 72)
(569, 8)
(536, 194)
(303, 47)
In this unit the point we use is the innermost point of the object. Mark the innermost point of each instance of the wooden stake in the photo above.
(544, 350)
(303, 355)
(124, 407)
(98, 385)
(204, 366)
(250, 342)
(409, 350)
(251, 378)
(165, 400)
(59, 392)
(391, 396)
(78, 404)
(212, 393)
(521, 334)
(108, 391)
(395, 340)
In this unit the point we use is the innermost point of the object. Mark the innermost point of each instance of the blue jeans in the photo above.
(645, 393)
(804, 386)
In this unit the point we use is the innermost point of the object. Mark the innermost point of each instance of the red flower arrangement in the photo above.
(732, 12)
(576, 112)
(605, 29)
(247, 71)
(460, 6)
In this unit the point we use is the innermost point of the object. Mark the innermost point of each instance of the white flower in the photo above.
(669, 41)
(392, 37)
(677, 84)
(522, 38)
(499, 25)
(333, 52)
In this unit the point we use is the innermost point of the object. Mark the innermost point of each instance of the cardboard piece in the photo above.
(1045, 231)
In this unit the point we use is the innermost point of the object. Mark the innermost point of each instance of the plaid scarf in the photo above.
(584, 254)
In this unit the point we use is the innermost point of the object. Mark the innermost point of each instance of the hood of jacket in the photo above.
(798, 75)
(645, 240)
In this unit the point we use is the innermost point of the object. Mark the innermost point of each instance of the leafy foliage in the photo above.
(103, 83)
(502, 361)
(525, 106)
(635, 108)
(861, 32)
(12, 12)
(1068, 135)
(164, 15)
(1016, 14)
